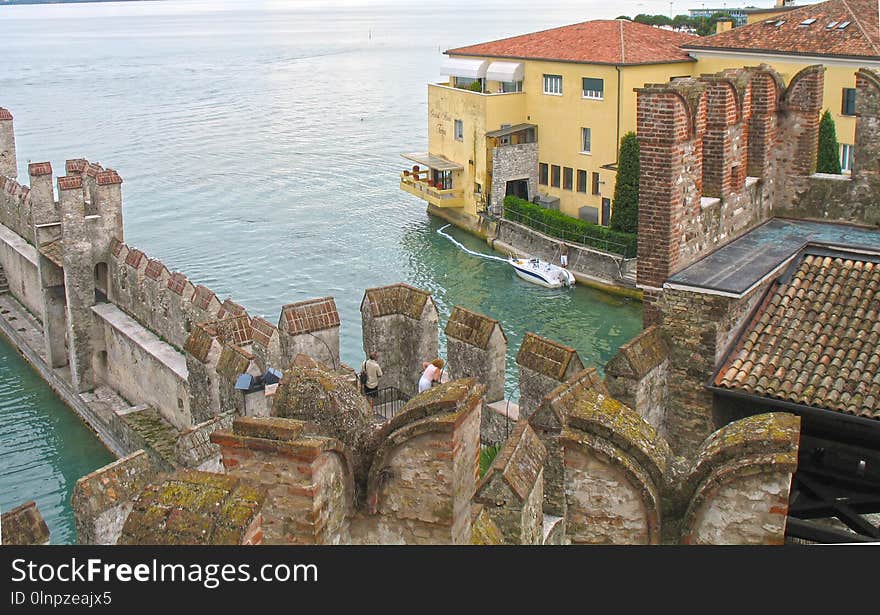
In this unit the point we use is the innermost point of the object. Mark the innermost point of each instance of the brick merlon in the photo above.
(5, 114)
(70, 182)
(108, 177)
(36, 169)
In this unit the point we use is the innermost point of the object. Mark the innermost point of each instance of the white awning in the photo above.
(461, 67)
(505, 71)
(432, 161)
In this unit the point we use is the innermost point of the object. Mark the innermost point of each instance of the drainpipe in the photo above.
(617, 143)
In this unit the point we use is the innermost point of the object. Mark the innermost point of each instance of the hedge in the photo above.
(556, 224)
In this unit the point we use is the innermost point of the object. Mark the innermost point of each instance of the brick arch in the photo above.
(749, 460)
(766, 87)
(724, 138)
(802, 103)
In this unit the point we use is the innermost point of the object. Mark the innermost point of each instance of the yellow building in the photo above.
(546, 117)
(541, 115)
(844, 35)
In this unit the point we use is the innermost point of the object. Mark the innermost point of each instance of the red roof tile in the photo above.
(134, 258)
(76, 165)
(309, 316)
(39, 168)
(177, 283)
(108, 177)
(861, 38)
(262, 331)
(5, 114)
(70, 182)
(815, 340)
(203, 297)
(616, 41)
(155, 268)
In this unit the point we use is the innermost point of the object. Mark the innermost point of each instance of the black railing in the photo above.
(388, 402)
(584, 239)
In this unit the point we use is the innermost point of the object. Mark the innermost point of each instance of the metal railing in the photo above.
(388, 402)
(586, 240)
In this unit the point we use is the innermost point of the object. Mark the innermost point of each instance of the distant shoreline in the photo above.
(20, 2)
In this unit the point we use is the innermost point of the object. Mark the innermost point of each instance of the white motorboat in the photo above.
(542, 273)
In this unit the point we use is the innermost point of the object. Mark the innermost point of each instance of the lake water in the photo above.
(259, 143)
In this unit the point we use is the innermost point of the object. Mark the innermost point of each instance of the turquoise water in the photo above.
(44, 447)
(259, 143)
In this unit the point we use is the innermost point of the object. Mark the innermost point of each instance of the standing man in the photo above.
(373, 371)
(563, 255)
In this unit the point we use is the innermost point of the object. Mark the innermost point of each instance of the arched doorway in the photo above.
(101, 283)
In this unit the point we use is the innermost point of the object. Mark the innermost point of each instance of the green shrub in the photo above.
(487, 456)
(829, 149)
(625, 212)
(556, 224)
(476, 86)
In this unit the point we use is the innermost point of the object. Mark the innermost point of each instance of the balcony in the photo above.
(434, 184)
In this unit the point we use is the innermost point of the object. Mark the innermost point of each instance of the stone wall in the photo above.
(594, 264)
(511, 162)
(102, 500)
(512, 491)
(698, 329)
(638, 376)
(698, 140)
(141, 367)
(401, 323)
(23, 525)
(308, 478)
(310, 328)
(846, 198)
(19, 261)
(543, 364)
(476, 347)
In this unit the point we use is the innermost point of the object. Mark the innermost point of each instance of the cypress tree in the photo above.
(625, 213)
(828, 156)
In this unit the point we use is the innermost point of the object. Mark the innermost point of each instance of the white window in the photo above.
(585, 141)
(553, 84)
(593, 88)
(459, 130)
(846, 157)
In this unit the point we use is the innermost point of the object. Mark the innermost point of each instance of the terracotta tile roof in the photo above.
(93, 169)
(39, 168)
(546, 356)
(70, 182)
(108, 177)
(262, 331)
(75, 165)
(470, 327)
(860, 38)
(815, 339)
(235, 329)
(155, 269)
(396, 299)
(230, 308)
(308, 316)
(203, 296)
(233, 361)
(5, 114)
(177, 283)
(199, 342)
(616, 41)
(134, 258)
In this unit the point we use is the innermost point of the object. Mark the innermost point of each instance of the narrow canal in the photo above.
(44, 446)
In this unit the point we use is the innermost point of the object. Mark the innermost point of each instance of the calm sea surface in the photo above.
(259, 143)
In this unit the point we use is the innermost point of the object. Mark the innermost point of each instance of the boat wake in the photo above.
(471, 252)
